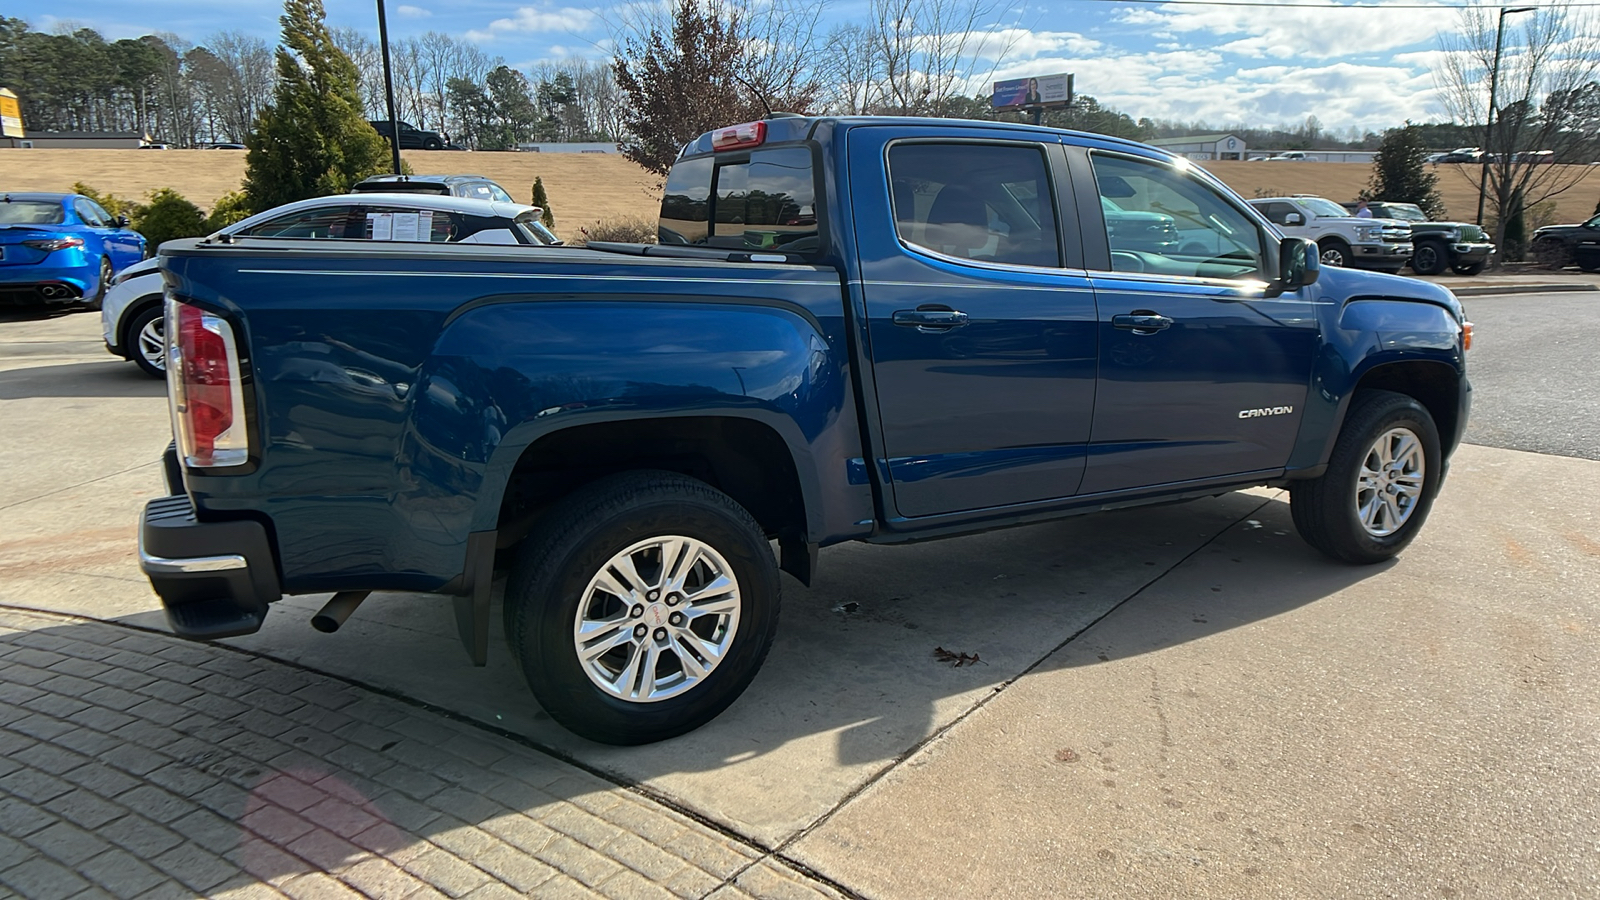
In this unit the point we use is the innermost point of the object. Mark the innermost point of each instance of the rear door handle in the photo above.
(1142, 323)
(930, 318)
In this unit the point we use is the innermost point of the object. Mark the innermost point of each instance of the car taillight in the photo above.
(54, 244)
(204, 384)
(738, 137)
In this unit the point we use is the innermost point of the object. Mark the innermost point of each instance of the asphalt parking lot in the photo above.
(1182, 701)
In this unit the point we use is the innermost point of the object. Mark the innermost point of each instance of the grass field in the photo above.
(587, 187)
(583, 187)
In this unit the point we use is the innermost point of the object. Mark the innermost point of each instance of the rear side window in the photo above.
(373, 223)
(765, 202)
(983, 202)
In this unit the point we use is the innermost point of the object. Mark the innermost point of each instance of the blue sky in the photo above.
(1368, 68)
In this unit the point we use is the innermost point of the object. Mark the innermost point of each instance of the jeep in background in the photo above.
(1559, 246)
(1342, 239)
(411, 138)
(1462, 247)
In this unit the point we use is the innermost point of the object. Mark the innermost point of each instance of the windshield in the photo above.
(1324, 208)
(31, 212)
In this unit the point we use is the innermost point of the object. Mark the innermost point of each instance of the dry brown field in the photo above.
(583, 187)
(587, 187)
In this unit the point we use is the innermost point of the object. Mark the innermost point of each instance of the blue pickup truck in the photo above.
(852, 329)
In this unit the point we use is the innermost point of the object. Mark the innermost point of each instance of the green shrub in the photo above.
(542, 200)
(168, 217)
(230, 208)
(111, 203)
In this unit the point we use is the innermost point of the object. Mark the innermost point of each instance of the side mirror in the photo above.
(1293, 219)
(1299, 264)
(1115, 187)
(121, 221)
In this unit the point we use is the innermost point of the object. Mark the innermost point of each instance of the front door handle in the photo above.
(1142, 322)
(930, 318)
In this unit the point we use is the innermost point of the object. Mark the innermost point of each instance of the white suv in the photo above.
(1343, 239)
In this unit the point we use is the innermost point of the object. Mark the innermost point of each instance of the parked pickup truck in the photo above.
(1342, 238)
(854, 329)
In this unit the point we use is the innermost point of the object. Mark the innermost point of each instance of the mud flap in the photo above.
(472, 604)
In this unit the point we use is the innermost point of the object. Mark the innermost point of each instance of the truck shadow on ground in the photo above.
(40, 313)
(854, 681)
(102, 378)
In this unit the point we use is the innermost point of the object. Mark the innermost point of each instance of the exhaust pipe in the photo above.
(337, 610)
(52, 291)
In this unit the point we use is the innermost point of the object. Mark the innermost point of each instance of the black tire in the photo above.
(1589, 265)
(1430, 258)
(130, 341)
(105, 285)
(579, 537)
(1325, 510)
(433, 144)
(1468, 269)
(1334, 252)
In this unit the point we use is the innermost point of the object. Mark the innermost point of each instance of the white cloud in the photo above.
(412, 12)
(1289, 31)
(535, 20)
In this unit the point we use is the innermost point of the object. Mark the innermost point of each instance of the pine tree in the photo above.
(313, 140)
(542, 200)
(1400, 172)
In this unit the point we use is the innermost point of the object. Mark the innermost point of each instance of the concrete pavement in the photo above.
(1278, 725)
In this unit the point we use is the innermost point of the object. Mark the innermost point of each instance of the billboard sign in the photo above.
(10, 115)
(1043, 90)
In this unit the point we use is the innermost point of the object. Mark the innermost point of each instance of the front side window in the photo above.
(1166, 222)
(984, 202)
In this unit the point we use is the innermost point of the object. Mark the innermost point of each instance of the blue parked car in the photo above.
(61, 248)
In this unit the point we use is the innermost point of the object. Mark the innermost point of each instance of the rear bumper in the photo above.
(215, 579)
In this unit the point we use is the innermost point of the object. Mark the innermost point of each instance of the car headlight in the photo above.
(1369, 233)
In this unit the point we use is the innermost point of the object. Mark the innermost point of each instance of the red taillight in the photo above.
(738, 137)
(54, 244)
(207, 397)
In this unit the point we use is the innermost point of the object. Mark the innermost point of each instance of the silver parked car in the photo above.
(130, 315)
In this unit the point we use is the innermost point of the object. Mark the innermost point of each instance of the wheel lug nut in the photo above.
(652, 596)
(674, 599)
(639, 631)
(661, 634)
(676, 618)
(637, 611)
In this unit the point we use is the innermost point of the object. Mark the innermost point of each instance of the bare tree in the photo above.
(364, 52)
(1550, 54)
(247, 81)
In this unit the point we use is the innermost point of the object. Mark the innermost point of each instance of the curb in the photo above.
(1491, 290)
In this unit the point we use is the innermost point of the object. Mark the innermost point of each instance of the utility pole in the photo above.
(1488, 125)
(388, 88)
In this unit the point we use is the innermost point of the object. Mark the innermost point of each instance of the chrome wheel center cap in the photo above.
(655, 615)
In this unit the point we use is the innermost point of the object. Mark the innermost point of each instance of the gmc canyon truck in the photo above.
(853, 329)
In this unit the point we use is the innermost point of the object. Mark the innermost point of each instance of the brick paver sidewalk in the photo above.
(138, 765)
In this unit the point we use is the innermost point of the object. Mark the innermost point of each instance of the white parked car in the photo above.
(130, 315)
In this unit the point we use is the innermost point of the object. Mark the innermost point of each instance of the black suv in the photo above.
(1462, 247)
(411, 138)
(1559, 246)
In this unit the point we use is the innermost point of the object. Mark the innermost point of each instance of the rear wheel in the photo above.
(1334, 252)
(104, 285)
(642, 607)
(1380, 481)
(1430, 258)
(432, 144)
(145, 342)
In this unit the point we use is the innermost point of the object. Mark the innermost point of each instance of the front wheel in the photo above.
(1335, 252)
(1430, 258)
(1380, 481)
(642, 607)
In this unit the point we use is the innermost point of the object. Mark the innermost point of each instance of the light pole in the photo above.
(388, 91)
(1488, 125)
